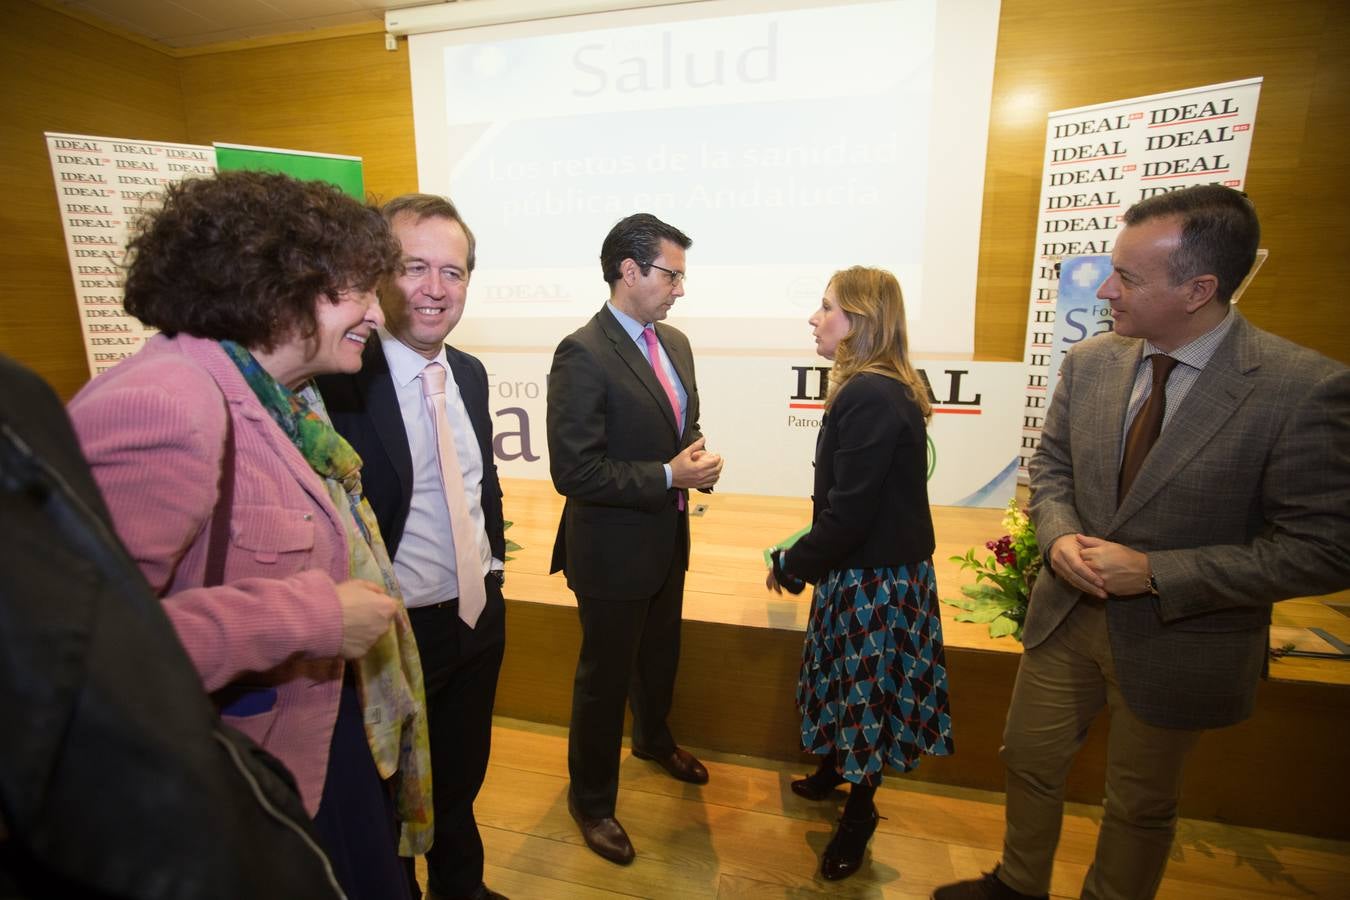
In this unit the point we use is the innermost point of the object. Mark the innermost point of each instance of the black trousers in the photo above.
(630, 650)
(355, 820)
(459, 672)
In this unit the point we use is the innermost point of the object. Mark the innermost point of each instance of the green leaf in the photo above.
(984, 594)
(984, 614)
(510, 544)
(1003, 626)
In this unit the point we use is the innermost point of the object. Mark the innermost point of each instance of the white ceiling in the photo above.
(192, 23)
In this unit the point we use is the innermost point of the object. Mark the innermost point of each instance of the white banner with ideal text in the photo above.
(762, 413)
(1099, 161)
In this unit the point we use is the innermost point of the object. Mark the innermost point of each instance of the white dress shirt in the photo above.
(425, 561)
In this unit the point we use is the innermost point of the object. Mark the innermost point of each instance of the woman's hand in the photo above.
(779, 578)
(366, 613)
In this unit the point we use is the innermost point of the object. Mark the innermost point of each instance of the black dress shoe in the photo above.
(604, 835)
(987, 887)
(813, 787)
(483, 893)
(844, 853)
(681, 765)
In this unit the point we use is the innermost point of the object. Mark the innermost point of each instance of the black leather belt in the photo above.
(452, 603)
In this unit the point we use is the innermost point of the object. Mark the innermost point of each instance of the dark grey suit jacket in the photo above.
(1244, 500)
(610, 431)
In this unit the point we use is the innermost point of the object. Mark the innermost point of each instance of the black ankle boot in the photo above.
(844, 853)
(819, 785)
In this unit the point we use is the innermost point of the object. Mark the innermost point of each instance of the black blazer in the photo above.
(364, 409)
(870, 506)
(610, 432)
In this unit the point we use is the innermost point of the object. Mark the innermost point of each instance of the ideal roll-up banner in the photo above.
(1099, 161)
(103, 185)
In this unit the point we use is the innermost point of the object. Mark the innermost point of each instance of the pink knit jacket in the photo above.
(153, 429)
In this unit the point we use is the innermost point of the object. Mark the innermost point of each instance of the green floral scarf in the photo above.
(389, 676)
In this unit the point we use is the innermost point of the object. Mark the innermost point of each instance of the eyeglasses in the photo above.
(676, 277)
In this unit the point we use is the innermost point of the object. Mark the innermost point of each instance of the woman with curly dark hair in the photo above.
(243, 506)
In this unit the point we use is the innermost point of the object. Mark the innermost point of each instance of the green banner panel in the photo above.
(342, 171)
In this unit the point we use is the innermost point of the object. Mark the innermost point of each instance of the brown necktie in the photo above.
(468, 564)
(1147, 424)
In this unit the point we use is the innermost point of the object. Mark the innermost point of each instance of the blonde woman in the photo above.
(873, 683)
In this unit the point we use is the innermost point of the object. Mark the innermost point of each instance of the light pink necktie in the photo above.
(468, 563)
(654, 357)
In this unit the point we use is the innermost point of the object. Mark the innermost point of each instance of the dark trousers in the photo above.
(459, 672)
(355, 820)
(630, 650)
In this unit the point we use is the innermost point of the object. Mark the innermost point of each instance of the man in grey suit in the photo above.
(1164, 555)
(624, 449)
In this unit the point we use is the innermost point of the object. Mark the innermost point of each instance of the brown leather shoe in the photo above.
(681, 764)
(605, 836)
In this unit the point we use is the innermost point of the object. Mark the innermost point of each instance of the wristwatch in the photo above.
(499, 576)
(1152, 584)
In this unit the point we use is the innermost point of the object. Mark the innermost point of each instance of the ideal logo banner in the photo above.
(1099, 161)
(763, 412)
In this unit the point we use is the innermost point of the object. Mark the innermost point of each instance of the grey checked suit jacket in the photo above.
(1243, 501)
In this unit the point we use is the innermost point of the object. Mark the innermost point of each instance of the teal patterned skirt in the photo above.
(873, 682)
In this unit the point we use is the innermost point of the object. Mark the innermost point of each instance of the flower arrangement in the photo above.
(1003, 581)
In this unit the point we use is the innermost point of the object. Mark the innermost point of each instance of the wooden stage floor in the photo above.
(1284, 768)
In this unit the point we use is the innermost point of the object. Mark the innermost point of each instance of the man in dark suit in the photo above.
(624, 448)
(389, 413)
(1193, 470)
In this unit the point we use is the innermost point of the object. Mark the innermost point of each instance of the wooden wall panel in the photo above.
(342, 95)
(59, 74)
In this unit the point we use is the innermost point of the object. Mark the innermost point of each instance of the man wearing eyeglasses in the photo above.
(625, 448)
(417, 413)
